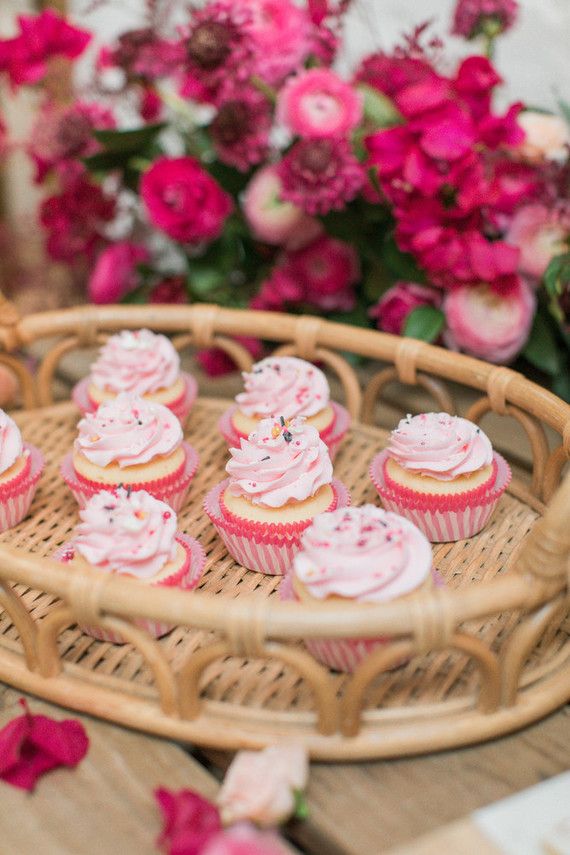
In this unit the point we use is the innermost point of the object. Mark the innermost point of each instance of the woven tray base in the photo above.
(268, 699)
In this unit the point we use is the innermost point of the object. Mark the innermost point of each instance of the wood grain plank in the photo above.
(459, 838)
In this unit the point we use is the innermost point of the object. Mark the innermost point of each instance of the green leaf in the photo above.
(136, 297)
(425, 322)
(301, 810)
(561, 384)
(358, 316)
(379, 110)
(564, 109)
(400, 264)
(128, 141)
(204, 279)
(541, 349)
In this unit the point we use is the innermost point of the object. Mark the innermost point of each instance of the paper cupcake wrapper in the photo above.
(187, 578)
(267, 547)
(180, 407)
(332, 436)
(342, 654)
(442, 518)
(169, 490)
(16, 496)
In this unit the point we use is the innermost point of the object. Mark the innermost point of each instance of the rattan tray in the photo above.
(487, 654)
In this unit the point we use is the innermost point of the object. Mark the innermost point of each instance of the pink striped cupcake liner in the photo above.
(342, 654)
(186, 578)
(332, 436)
(180, 407)
(264, 547)
(443, 518)
(169, 490)
(16, 496)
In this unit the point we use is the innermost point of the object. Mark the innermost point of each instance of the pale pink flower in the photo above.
(115, 274)
(540, 233)
(317, 103)
(281, 32)
(547, 137)
(243, 839)
(320, 175)
(260, 785)
(269, 217)
(489, 325)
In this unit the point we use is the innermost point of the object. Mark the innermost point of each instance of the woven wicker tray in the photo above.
(487, 654)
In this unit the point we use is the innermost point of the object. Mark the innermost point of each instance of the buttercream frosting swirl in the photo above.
(281, 461)
(363, 553)
(126, 532)
(11, 446)
(285, 386)
(138, 361)
(440, 446)
(128, 430)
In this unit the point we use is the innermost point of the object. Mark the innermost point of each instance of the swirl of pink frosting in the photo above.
(282, 461)
(366, 554)
(128, 430)
(440, 446)
(126, 532)
(11, 446)
(285, 386)
(137, 361)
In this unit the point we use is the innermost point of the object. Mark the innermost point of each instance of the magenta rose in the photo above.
(114, 274)
(183, 201)
(393, 308)
(487, 324)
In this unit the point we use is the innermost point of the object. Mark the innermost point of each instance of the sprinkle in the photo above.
(166, 515)
(282, 420)
(94, 438)
(267, 457)
(287, 436)
(140, 515)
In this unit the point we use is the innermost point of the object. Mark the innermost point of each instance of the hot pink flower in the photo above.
(115, 274)
(540, 233)
(327, 269)
(279, 291)
(150, 104)
(169, 290)
(393, 308)
(41, 37)
(320, 175)
(270, 218)
(243, 839)
(216, 362)
(489, 325)
(142, 53)
(189, 822)
(183, 200)
(281, 34)
(240, 130)
(390, 74)
(317, 103)
(473, 17)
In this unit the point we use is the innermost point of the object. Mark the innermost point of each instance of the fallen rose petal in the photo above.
(189, 821)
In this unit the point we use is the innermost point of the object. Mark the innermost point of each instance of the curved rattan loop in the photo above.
(52, 359)
(555, 464)
(547, 548)
(49, 662)
(488, 666)
(190, 674)
(433, 622)
(531, 426)
(522, 642)
(246, 631)
(24, 377)
(236, 351)
(498, 382)
(406, 357)
(9, 319)
(383, 378)
(27, 629)
(346, 375)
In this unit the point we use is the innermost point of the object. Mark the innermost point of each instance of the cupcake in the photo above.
(289, 387)
(365, 555)
(142, 363)
(280, 477)
(441, 472)
(132, 442)
(20, 468)
(133, 534)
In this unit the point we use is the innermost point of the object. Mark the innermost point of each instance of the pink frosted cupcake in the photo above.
(21, 466)
(132, 442)
(279, 479)
(441, 472)
(142, 363)
(365, 555)
(289, 387)
(134, 534)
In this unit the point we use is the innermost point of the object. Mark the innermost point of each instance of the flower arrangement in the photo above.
(248, 172)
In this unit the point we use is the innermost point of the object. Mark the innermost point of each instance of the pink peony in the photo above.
(489, 325)
(260, 786)
(172, 289)
(327, 269)
(320, 175)
(281, 33)
(474, 17)
(547, 137)
(41, 37)
(317, 103)
(270, 218)
(114, 274)
(242, 839)
(189, 822)
(393, 308)
(216, 362)
(184, 201)
(240, 130)
(540, 233)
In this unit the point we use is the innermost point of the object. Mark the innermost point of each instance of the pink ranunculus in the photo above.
(472, 17)
(269, 217)
(320, 175)
(240, 130)
(393, 308)
(114, 274)
(540, 233)
(260, 785)
(243, 839)
(317, 103)
(216, 362)
(327, 270)
(281, 33)
(41, 37)
(547, 137)
(172, 289)
(489, 325)
(183, 201)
